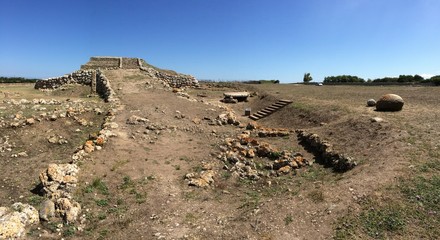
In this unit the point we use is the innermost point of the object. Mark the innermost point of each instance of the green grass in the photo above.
(127, 182)
(101, 202)
(379, 223)
(251, 200)
(35, 200)
(288, 220)
(70, 231)
(99, 185)
(412, 211)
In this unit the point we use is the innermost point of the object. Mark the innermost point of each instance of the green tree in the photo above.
(307, 78)
(435, 80)
(343, 79)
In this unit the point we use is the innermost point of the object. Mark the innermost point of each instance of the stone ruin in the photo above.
(90, 74)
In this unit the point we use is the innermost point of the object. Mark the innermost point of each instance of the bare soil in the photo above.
(143, 169)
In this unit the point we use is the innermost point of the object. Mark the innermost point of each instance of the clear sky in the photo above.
(225, 39)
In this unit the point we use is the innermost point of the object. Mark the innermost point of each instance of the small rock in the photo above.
(47, 210)
(371, 102)
(376, 119)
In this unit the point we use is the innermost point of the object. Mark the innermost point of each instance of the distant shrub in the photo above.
(435, 80)
(343, 79)
(401, 79)
(17, 80)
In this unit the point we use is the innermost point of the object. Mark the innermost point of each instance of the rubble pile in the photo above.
(239, 156)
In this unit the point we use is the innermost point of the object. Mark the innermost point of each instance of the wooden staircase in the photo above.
(270, 109)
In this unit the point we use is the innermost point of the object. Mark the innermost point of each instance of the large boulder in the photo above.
(389, 102)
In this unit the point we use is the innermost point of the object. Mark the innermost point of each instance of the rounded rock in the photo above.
(371, 102)
(389, 102)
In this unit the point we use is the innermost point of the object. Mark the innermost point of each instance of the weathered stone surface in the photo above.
(47, 210)
(89, 146)
(227, 118)
(68, 209)
(13, 221)
(58, 180)
(28, 214)
(203, 179)
(11, 226)
(390, 102)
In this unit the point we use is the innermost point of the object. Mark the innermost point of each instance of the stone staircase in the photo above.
(270, 109)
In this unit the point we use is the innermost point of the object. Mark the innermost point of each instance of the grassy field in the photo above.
(407, 206)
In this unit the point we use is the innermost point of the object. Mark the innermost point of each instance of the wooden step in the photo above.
(254, 117)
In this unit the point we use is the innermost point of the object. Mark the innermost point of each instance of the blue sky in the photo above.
(225, 39)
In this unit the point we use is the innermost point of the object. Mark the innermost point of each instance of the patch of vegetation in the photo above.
(99, 185)
(70, 231)
(119, 164)
(133, 188)
(102, 216)
(103, 234)
(288, 219)
(316, 195)
(127, 182)
(251, 200)
(226, 174)
(101, 202)
(190, 218)
(412, 210)
(380, 222)
(35, 200)
(274, 155)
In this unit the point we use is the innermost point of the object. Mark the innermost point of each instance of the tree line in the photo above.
(401, 79)
(17, 80)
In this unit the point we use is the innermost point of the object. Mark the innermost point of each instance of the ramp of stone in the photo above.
(270, 109)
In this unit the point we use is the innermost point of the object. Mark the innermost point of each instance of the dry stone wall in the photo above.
(83, 77)
(104, 89)
(175, 81)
